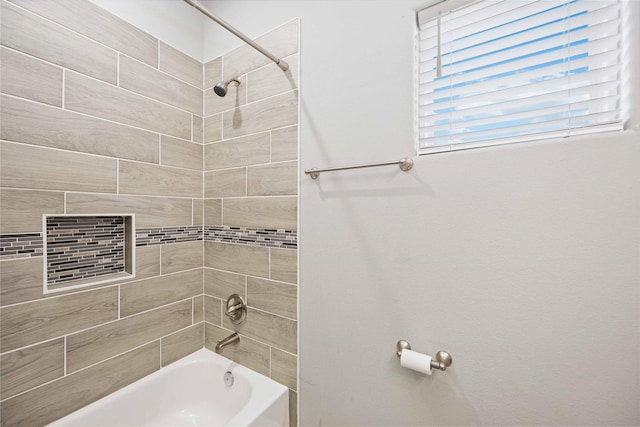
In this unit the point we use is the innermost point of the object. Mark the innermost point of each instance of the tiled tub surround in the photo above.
(82, 135)
(250, 188)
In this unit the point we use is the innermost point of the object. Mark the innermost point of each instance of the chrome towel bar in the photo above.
(405, 164)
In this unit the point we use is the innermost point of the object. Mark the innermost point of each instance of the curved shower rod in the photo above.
(282, 64)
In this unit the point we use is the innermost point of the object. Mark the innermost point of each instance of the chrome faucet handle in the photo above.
(236, 309)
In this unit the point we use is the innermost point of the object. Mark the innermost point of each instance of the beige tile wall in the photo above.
(97, 117)
(100, 117)
(251, 180)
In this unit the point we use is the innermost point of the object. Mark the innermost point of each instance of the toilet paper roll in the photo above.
(417, 361)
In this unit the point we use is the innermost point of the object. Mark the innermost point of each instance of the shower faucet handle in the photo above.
(236, 309)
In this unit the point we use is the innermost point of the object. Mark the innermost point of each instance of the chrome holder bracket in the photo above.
(442, 360)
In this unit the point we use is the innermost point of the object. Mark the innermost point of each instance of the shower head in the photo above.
(221, 88)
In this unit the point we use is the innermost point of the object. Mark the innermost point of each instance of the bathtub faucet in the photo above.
(231, 339)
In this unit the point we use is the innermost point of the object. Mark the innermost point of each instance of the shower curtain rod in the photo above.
(282, 64)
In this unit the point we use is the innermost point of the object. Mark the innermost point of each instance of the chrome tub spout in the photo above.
(231, 339)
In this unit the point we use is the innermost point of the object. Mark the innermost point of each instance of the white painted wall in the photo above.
(522, 261)
(171, 21)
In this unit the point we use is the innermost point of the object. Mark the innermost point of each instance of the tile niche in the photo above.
(85, 250)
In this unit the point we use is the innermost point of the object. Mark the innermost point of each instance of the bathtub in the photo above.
(190, 392)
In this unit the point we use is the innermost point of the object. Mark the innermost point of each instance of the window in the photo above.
(494, 72)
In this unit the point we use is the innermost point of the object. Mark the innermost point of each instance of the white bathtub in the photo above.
(190, 392)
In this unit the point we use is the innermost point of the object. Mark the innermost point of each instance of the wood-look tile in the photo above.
(198, 309)
(52, 401)
(277, 179)
(198, 129)
(243, 151)
(180, 153)
(212, 72)
(20, 280)
(148, 81)
(284, 144)
(213, 310)
(27, 77)
(244, 259)
(181, 256)
(94, 345)
(271, 113)
(109, 102)
(147, 294)
(181, 65)
(261, 212)
(33, 322)
(150, 211)
(235, 97)
(250, 353)
(24, 166)
(213, 211)
(271, 80)
(222, 284)
(281, 42)
(268, 328)
(37, 124)
(293, 408)
(284, 265)
(97, 24)
(29, 367)
(21, 210)
(274, 297)
(213, 128)
(284, 368)
(147, 261)
(198, 211)
(28, 33)
(225, 183)
(147, 179)
(182, 343)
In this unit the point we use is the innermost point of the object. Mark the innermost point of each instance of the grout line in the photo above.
(64, 357)
(117, 176)
(63, 98)
(119, 305)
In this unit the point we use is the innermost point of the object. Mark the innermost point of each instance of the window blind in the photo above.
(495, 72)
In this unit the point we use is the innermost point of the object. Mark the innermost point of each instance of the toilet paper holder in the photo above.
(442, 362)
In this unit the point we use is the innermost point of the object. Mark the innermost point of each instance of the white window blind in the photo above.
(495, 72)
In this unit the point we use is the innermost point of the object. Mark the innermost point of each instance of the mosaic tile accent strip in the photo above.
(271, 237)
(30, 244)
(82, 247)
(20, 245)
(240, 235)
(162, 235)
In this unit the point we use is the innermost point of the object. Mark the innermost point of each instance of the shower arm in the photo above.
(282, 64)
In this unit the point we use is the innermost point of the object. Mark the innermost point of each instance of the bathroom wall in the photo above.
(251, 205)
(97, 117)
(522, 261)
(100, 117)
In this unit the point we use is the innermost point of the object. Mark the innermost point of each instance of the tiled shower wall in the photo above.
(250, 184)
(99, 117)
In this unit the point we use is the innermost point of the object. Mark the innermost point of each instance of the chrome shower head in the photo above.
(221, 88)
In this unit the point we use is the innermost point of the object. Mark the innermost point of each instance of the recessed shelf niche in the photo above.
(86, 250)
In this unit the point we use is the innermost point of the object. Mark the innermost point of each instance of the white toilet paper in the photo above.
(417, 361)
